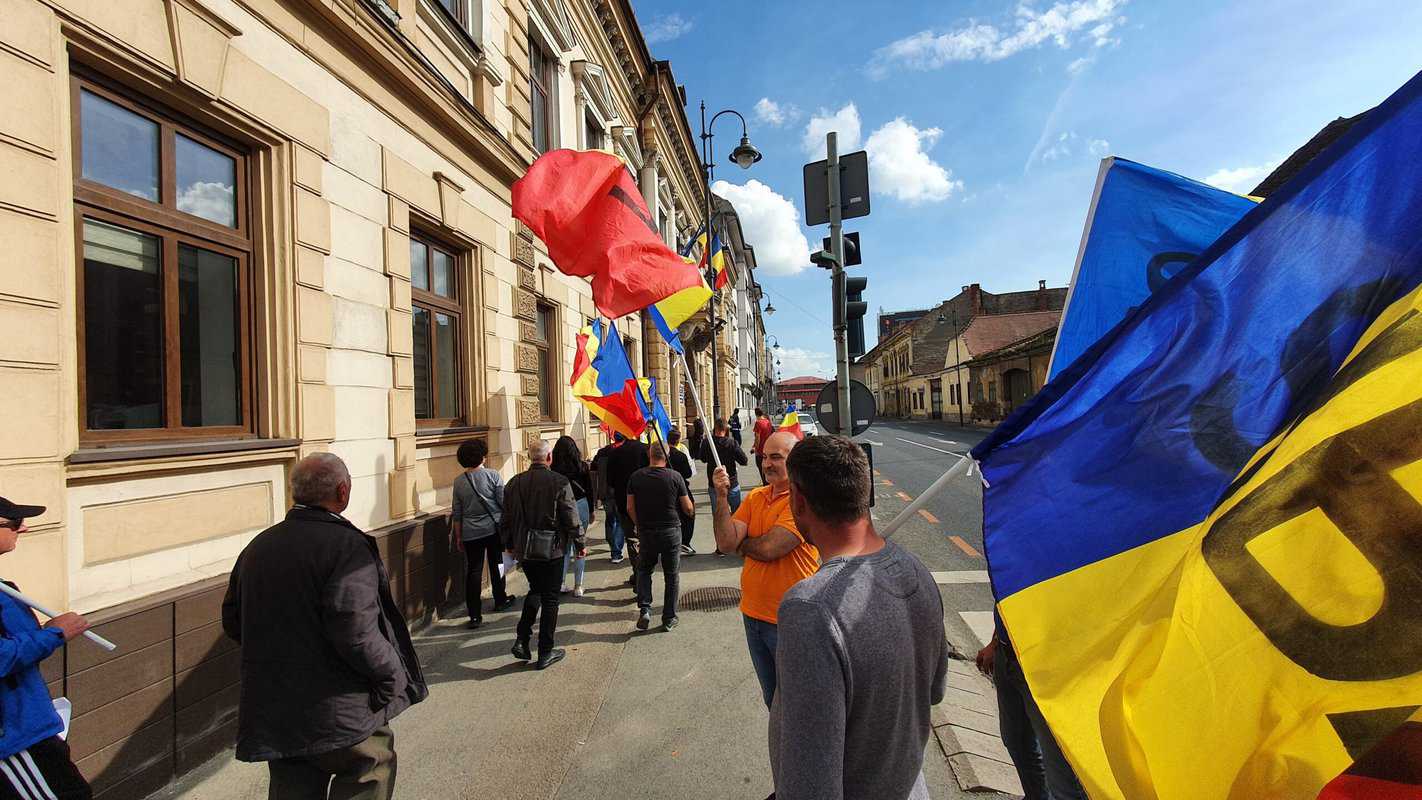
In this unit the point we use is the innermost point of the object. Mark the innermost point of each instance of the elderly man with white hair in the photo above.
(327, 659)
(539, 524)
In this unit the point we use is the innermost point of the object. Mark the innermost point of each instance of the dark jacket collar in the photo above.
(316, 514)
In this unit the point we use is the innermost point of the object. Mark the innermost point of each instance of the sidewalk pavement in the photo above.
(627, 715)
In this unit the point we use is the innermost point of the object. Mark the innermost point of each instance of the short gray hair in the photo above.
(318, 478)
(539, 452)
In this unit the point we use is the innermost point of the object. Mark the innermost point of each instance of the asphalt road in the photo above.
(947, 534)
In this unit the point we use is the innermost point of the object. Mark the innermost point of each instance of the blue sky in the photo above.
(985, 121)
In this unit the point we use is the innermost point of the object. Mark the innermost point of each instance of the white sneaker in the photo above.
(562, 590)
(617, 560)
(578, 590)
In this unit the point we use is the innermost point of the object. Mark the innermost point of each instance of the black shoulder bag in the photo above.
(541, 544)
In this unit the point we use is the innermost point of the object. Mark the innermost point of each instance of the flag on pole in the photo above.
(1390, 770)
(652, 409)
(1202, 535)
(791, 424)
(717, 252)
(603, 379)
(585, 206)
(1144, 225)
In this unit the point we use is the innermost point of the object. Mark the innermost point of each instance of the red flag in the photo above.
(585, 206)
(1390, 770)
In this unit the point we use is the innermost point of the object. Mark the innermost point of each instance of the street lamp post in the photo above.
(957, 364)
(743, 156)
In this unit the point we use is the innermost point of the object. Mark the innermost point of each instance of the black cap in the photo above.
(9, 510)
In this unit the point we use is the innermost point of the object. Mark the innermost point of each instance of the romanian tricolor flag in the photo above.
(1205, 536)
(603, 380)
(1390, 770)
(585, 206)
(791, 424)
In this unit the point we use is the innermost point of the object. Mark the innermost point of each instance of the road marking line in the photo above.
(904, 496)
(876, 444)
(927, 447)
(964, 546)
(980, 622)
(961, 576)
(888, 482)
(923, 512)
(945, 441)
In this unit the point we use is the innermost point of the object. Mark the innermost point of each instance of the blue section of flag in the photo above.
(672, 337)
(1146, 225)
(1144, 433)
(654, 411)
(614, 369)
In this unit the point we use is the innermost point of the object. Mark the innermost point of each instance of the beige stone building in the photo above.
(239, 231)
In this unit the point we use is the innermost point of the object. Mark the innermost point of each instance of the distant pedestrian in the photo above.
(1041, 767)
(478, 505)
(568, 462)
(602, 493)
(735, 423)
(694, 438)
(657, 498)
(327, 659)
(540, 524)
(761, 430)
(34, 761)
(678, 460)
(626, 458)
(731, 454)
(776, 555)
(861, 656)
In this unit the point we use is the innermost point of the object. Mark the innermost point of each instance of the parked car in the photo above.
(808, 424)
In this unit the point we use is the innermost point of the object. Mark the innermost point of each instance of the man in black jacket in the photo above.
(327, 659)
(731, 454)
(535, 500)
(626, 458)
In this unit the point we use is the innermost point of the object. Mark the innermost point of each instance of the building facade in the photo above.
(799, 392)
(241, 232)
(1004, 378)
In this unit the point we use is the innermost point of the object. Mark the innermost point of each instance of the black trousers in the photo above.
(629, 539)
(760, 466)
(663, 546)
(363, 771)
(478, 552)
(543, 579)
(688, 527)
(41, 771)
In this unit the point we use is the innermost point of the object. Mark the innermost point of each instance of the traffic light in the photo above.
(854, 310)
(852, 257)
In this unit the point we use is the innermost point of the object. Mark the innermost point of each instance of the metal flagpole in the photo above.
(963, 467)
(90, 635)
(701, 411)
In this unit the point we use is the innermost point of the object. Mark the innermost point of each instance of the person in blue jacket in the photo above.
(34, 761)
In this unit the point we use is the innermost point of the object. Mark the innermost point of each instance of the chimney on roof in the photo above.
(1042, 296)
(975, 298)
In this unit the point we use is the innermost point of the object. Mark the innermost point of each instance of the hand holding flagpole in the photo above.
(15, 593)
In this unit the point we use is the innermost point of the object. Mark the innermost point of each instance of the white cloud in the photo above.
(978, 41)
(1099, 148)
(666, 28)
(845, 121)
(207, 199)
(1060, 148)
(775, 114)
(1240, 179)
(900, 166)
(797, 361)
(771, 224)
(1079, 66)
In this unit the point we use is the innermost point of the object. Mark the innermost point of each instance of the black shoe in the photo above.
(474, 624)
(520, 650)
(668, 624)
(506, 605)
(644, 619)
(688, 550)
(548, 659)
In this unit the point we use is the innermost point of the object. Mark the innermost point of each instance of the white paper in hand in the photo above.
(63, 707)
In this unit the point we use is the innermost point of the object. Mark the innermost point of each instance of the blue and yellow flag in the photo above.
(652, 408)
(1205, 536)
(1145, 224)
(602, 379)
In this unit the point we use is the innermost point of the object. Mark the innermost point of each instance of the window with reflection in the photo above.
(541, 73)
(438, 326)
(163, 274)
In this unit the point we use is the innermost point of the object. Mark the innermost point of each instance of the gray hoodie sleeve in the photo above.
(808, 719)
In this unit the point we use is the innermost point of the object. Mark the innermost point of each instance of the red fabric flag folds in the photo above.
(585, 206)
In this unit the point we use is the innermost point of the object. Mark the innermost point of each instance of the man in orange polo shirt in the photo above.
(776, 556)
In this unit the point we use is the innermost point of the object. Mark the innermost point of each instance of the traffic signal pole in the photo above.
(841, 321)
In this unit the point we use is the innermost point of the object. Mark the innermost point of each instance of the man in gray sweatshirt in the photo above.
(861, 655)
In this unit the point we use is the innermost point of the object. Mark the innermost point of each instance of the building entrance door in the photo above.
(1019, 388)
(935, 392)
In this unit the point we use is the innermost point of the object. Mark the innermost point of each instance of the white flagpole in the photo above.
(696, 396)
(96, 638)
(963, 467)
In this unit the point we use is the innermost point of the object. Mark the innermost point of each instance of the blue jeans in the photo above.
(611, 528)
(570, 558)
(734, 495)
(761, 638)
(1043, 770)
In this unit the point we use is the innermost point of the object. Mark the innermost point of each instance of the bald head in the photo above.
(321, 480)
(776, 450)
